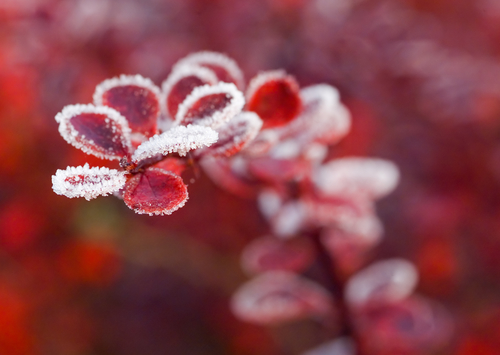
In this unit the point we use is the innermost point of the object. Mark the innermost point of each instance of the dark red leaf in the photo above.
(211, 105)
(155, 191)
(135, 97)
(100, 131)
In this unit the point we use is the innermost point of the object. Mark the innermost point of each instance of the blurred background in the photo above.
(422, 81)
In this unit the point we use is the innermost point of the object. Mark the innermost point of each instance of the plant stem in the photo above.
(335, 284)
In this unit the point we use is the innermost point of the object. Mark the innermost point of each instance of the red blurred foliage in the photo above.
(420, 78)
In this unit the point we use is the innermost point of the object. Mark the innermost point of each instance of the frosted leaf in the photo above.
(224, 67)
(357, 177)
(180, 139)
(155, 192)
(135, 97)
(210, 105)
(290, 219)
(277, 297)
(339, 346)
(96, 130)
(83, 181)
(181, 83)
(386, 281)
(269, 253)
(274, 96)
(235, 135)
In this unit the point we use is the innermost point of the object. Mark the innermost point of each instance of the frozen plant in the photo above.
(150, 131)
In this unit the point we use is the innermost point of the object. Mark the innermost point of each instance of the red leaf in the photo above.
(174, 165)
(100, 131)
(155, 191)
(135, 97)
(275, 97)
(181, 83)
(210, 105)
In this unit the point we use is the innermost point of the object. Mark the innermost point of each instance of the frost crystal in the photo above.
(180, 139)
(385, 281)
(361, 177)
(83, 181)
(123, 80)
(102, 131)
(226, 68)
(205, 107)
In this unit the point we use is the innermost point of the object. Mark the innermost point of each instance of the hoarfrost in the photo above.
(218, 117)
(123, 80)
(83, 181)
(180, 139)
(211, 59)
(114, 121)
(204, 74)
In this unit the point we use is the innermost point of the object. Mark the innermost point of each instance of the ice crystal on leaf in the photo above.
(126, 124)
(83, 181)
(210, 105)
(224, 67)
(179, 139)
(180, 83)
(135, 97)
(97, 130)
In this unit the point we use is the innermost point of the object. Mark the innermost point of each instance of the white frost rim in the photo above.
(96, 181)
(68, 132)
(214, 58)
(179, 73)
(179, 139)
(124, 80)
(232, 109)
